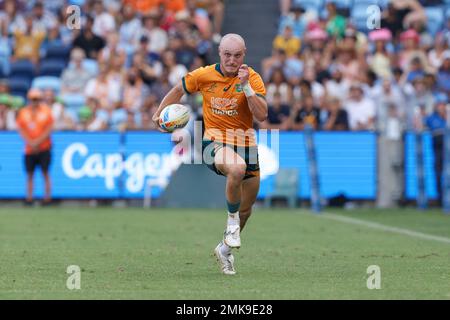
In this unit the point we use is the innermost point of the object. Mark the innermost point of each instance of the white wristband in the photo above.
(248, 91)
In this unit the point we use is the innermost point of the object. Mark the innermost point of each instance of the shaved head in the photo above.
(232, 52)
(232, 40)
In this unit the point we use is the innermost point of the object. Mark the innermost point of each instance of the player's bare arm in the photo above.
(256, 104)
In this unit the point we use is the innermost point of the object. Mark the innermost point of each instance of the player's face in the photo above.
(231, 59)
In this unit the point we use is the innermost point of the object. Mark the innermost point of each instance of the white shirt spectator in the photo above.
(103, 24)
(359, 112)
(176, 74)
(107, 93)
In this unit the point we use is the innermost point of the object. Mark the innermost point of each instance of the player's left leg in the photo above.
(249, 192)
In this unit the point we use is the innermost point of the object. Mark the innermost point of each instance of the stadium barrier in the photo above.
(113, 165)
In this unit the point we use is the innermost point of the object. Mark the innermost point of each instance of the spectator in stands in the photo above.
(127, 29)
(35, 123)
(337, 86)
(361, 110)
(106, 90)
(176, 70)
(4, 107)
(443, 76)
(278, 84)
(11, 16)
(334, 117)
(88, 40)
(104, 22)
(439, 52)
(130, 123)
(391, 107)
(28, 42)
(278, 115)
(143, 7)
(411, 50)
(158, 39)
(287, 42)
(91, 117)
(134, 91)
(382, 59)
(61, 119)
(149, 70)
(436, 122)
(75, 76)
(112, 49)
(350, 63)
(5, 48)
(307, 114)
(200, 18)
(335, 23)
(276, 60)
(296, 19)
(43, 19)
(160, 88)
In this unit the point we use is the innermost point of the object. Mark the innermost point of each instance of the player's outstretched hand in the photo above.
(243, 74)
(155, 119)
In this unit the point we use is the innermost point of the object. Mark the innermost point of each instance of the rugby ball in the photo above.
(174, 116)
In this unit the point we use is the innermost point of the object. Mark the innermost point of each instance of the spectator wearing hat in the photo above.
(88, 40)
(361, 110)
(287, 42)
(35, 123)
(382, 59)
(75, 77)
(436, 122)
(296, 19)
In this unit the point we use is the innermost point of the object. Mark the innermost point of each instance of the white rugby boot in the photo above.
(226, 262)
(232, 236)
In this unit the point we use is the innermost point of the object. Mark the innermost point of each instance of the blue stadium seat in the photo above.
(52, 67)
(359, 17)
(341, 4)
(22, 68)
(19, 86)
(435, 21)
(77, 2)
(58, 52)
(73, 101)
(309, 5)
(47, 82)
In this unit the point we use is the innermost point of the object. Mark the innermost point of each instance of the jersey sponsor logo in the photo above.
(224, 106)
(238, 87)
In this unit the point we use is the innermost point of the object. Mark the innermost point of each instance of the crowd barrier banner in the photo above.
(113, 165)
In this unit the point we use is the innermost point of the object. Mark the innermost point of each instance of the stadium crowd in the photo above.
(109, 69)
(326, 70)
(331, 71)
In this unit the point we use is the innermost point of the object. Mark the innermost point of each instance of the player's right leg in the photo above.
(230, 164)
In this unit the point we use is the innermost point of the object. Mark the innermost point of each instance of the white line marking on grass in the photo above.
(382, 227)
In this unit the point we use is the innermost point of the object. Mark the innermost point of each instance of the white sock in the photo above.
(233, 218)
(224, 249)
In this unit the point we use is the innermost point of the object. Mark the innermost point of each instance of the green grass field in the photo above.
(167, 254)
